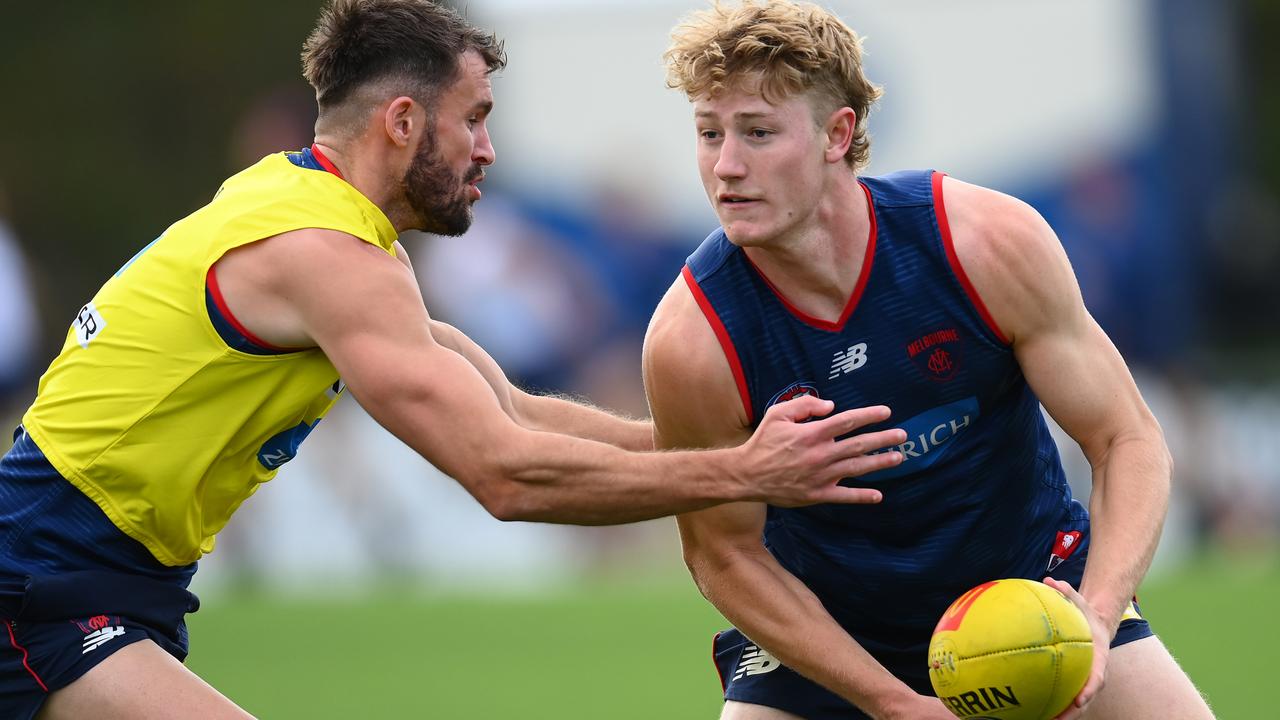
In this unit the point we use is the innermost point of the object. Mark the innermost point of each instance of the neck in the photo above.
(816, 267)
(367, 173)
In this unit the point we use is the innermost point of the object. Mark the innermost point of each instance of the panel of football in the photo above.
(1010, 649)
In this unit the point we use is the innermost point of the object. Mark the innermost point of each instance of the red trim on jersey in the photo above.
(324, 161)
(854, 297)
(14, 642)
(945, 229)
(211, 278)
(716, 664)
(726, 343)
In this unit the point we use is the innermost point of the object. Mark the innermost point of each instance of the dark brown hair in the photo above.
(416, 44)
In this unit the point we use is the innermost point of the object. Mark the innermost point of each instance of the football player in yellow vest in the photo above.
(199, 367)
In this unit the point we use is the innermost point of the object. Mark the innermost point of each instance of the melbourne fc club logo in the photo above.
(793, 391)
(937, 353)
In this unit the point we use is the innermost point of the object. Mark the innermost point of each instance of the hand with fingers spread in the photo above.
(1101, 649)
(789, 462)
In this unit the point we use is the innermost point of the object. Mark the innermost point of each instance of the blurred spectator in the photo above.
(279, 119)
(1103, 235)
(19, 324)
(561, 296)
(637, 257)
(1109, 212)
(1242, 250)
(612, 260)
(513, 286)
(1241, 509)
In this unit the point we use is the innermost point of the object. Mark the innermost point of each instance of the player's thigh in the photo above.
(1144, 682)
(734, 710)
(139, 682)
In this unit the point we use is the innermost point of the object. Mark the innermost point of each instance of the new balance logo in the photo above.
(846, 361)
(97, 638)
(755, 661)
(1062, 548)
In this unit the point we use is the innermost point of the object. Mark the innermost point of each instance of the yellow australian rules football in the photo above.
(1010, 650)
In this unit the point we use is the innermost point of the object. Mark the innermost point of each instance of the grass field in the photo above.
(615, 652)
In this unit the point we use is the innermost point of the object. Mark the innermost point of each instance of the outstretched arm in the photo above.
(364, 310)
(695, 404)
(1019, 269)
(547, 412)
(541, 412)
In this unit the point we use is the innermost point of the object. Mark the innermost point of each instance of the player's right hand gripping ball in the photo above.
(1010, 650)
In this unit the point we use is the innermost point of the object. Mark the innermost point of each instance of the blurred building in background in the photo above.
(1137, 128)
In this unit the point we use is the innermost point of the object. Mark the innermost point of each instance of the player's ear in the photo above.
(839, 128)
(401, 119)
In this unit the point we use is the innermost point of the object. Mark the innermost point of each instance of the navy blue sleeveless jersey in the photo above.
(981, 493)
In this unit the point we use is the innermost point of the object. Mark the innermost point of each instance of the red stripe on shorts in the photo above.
(14, 642)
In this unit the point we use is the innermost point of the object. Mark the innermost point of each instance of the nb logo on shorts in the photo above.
(755, 661)
(97, 638)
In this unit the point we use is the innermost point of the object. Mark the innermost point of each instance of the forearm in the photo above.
(780, 614)
(547, 412)
(522, 474)
(1127, 509)
(562, 415)
(557, 478)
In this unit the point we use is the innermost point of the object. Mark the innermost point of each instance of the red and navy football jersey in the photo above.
(981, 492)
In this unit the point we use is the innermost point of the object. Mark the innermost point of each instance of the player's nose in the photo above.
(482, 153)
(729, 163)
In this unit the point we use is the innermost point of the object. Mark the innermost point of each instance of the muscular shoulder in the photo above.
(304, 249)
(692, 394)
(1012, 258)
(270, 285)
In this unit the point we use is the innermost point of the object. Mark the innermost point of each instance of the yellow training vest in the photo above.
(149, 412)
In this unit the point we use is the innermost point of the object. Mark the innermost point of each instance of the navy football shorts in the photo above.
(64, 625)
(749, 674)
(73, 588)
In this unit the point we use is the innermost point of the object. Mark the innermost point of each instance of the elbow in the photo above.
(486, 480)
(1163, 455)
(706, 565)
(502, 498)
(497, 485)
(699, 573)
(498, 503)
(512, 507)
(494, 476)
(692, 561)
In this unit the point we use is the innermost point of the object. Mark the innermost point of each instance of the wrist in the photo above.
(733, 483)
(1110, 610)
(894, 702)
(644, 436)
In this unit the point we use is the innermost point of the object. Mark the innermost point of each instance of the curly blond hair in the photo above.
(789, 47)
